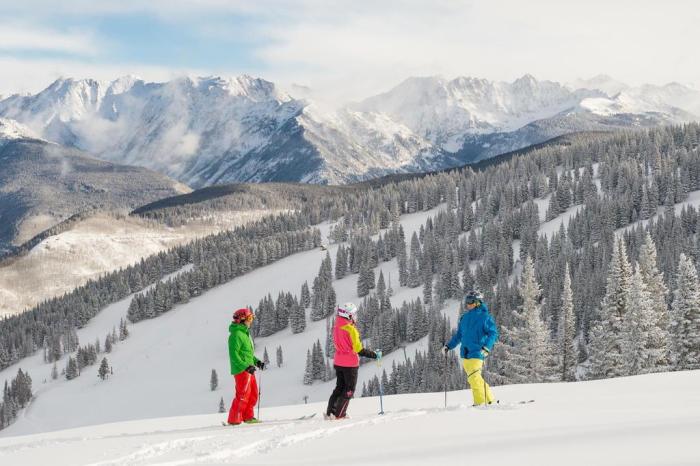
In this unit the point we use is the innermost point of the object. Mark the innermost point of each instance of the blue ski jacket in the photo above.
(476, 329)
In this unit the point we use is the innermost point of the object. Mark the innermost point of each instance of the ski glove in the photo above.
(260, 365)
(444, 349)
(368, 353)
(250, 369)
(484, 352)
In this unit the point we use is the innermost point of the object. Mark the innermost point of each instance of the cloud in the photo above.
(21, 75)
(22, 37)
(346, 50)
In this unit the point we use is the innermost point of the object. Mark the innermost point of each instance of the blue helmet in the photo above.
(472, 297)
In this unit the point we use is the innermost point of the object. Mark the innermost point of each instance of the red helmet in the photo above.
(241, 315)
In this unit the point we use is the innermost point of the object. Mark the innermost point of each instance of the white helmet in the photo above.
(347, 310)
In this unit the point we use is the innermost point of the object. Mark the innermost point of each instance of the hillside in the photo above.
(615, 422)
(550, 215)
(42, 184)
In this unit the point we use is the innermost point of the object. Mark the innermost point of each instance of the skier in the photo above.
(476, 333)
(348, 348)
(243, 365)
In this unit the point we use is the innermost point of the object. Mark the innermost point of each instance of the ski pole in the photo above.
(445, 380)
(381, 388)
(259, 393)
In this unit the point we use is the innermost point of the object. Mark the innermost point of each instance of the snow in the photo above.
(693, 200)
(166, 362)
(609, 422)
(552, 226)
(95, 246)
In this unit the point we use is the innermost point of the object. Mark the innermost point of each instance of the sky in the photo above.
(347, 50)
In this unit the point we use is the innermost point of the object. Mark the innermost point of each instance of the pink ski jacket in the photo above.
(346, 340)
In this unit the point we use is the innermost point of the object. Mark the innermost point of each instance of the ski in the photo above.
(305, 417)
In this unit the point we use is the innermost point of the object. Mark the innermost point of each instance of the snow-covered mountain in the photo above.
(211, 130)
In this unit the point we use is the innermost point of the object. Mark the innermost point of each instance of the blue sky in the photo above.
(347, 49)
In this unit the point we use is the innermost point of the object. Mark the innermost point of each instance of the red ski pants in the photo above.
(245, 400)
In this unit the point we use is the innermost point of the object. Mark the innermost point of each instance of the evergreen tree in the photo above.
(309, 369)
(71, 369)
(527, 345)
(685, 323)
(607, 359)
(638, 352)
(658, 343)
(266, 357)
(568, 354)
(305, 298)
(103, 371)
(54, 371)
(222, 406)
(280, 359)
(213, 380)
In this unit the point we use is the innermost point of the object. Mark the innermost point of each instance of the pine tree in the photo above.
(280, 359)
(607, 359)
(305, 297)
(266, 357)
(658, 344)
(527, 345)
(108, 343)
(54, 371)
(685, 323)
(568, 354)
(71, 369)
(103, 371)
(222, 406)
(637, 350)
(213, 380)
(309, 369)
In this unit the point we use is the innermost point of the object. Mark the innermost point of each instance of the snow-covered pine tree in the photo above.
(308, 369)
(606, 355)
(213, 380)
(638, 326)
(658, 343)
(305, 297)
(280, 357)
(71, 369)
(297, 318)
(527, 346)
(103, 371)
(222, 406)
(685, 316)
(568, 353)
(54, 371)
(266, 357)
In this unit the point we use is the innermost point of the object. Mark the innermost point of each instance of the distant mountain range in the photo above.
(205, 131)
(43, 183)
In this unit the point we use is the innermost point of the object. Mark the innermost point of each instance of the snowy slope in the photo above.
(616, 422)
(97, 245)
(166, 362)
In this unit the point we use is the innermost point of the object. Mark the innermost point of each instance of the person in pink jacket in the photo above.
(348, 349)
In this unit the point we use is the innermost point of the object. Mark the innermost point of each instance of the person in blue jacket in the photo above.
(476, 333)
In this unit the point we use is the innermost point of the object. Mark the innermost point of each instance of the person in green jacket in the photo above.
(243, 365)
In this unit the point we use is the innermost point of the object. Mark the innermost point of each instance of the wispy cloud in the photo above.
(20, 37)
(347, 49)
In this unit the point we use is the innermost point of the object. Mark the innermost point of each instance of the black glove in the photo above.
(368, 353)
(260, 365)
(250, 369)
(484, 352)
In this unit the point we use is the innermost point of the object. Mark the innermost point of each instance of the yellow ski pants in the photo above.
(480, 389)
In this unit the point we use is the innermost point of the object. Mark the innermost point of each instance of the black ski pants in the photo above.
(345, 381)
